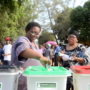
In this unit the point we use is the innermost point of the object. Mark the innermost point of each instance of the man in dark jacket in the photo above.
(1, 52)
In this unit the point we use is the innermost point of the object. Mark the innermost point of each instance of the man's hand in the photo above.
(4, 55)
(75, 58)
(62, 52)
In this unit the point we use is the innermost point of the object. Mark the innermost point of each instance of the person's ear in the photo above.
(26, 30)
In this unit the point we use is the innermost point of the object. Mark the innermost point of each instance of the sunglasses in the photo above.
(72, 37)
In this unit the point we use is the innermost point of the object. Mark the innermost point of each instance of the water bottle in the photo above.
(58, 53)
(80, 54)
(47, 66)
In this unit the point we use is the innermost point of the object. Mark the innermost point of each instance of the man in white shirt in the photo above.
(7, 51)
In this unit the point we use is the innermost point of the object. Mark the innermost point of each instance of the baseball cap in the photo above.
(7, 38)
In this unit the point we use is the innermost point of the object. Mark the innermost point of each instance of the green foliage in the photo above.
(76, 15)
(9, 23)
(45, 36)
(7, 28)
(10, 5)
(50, 10)
(13, 24)
(80, 21)
(62, 24)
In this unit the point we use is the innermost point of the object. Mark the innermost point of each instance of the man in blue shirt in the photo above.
(56, 53)
(1, 52)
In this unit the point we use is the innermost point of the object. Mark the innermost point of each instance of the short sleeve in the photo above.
(63, 47)
(86, 57)
(22, 47)
(11, 48)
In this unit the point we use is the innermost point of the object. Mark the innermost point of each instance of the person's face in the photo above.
(72, 39)
(53, 47)
(40, 46)
(44, 44)
(7, 41)
(33, 33)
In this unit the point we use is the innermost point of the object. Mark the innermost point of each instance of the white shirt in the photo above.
(7, 50)
(88, 50)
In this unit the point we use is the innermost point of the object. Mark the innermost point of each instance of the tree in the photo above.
(45, 36)
(10, 5)
(80, 21)
(9, 23)
(13, 24)
(51, 10)
(76, 17)
(62, 24)
(29, 14)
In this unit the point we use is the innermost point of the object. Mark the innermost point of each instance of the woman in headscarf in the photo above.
(25, 52)
(48, 51)
(77, 51)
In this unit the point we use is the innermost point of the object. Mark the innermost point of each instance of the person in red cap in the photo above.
(7, 51)
(7, 39)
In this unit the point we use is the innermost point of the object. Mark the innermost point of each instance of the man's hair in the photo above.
(1, 43)
(52, 46)
(32, 24)
(60, 44)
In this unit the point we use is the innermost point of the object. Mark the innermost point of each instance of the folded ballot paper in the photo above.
(65, 57)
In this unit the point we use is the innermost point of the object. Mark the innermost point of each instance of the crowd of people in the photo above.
(51, 52)
(47, 50)
(25, 52)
